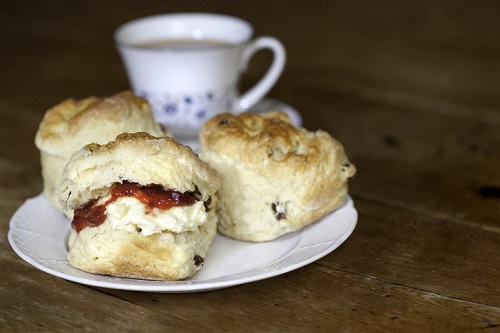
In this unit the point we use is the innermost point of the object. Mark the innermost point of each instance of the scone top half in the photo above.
(138, 158)
(276, 177)
(71, 124)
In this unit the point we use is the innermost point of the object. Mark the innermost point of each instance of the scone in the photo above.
(276, 178)
(71, 124)
(144, 207)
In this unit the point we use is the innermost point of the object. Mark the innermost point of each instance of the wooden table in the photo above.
(411, 90)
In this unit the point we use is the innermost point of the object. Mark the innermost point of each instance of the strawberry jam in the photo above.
(152, 196)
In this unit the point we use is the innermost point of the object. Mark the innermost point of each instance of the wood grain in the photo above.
(410, 89)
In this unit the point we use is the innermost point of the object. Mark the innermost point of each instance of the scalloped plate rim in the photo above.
(193, 285)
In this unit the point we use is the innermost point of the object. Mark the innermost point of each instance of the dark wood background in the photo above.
(409, 87)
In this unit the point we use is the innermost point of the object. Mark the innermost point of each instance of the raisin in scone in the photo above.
(276, 178)
(71, 124)
(144, 207)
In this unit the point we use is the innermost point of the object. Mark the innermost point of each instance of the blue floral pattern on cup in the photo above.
(188, 110)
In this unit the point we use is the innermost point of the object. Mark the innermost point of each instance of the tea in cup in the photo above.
(188, 66)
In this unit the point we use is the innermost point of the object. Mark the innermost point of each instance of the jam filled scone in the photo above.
(276, 178)
(144, 207)
(71, 124)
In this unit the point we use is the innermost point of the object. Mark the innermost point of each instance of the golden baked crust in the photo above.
(72, 124)
(134, 157)
(276, 177)
(253, 138)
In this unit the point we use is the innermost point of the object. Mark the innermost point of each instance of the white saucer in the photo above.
(270, 104)
(267, 104)
(38, 233)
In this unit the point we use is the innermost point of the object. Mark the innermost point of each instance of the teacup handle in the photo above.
(261, 88)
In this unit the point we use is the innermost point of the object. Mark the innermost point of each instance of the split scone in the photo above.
(276, 178)
(144, 207)
(71, 124)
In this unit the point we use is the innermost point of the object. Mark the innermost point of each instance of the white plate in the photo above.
(38, 234)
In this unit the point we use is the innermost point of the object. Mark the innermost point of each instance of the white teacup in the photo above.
(188, 66)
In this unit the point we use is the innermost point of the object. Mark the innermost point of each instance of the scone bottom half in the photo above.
(144, 207)
(276, 178)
